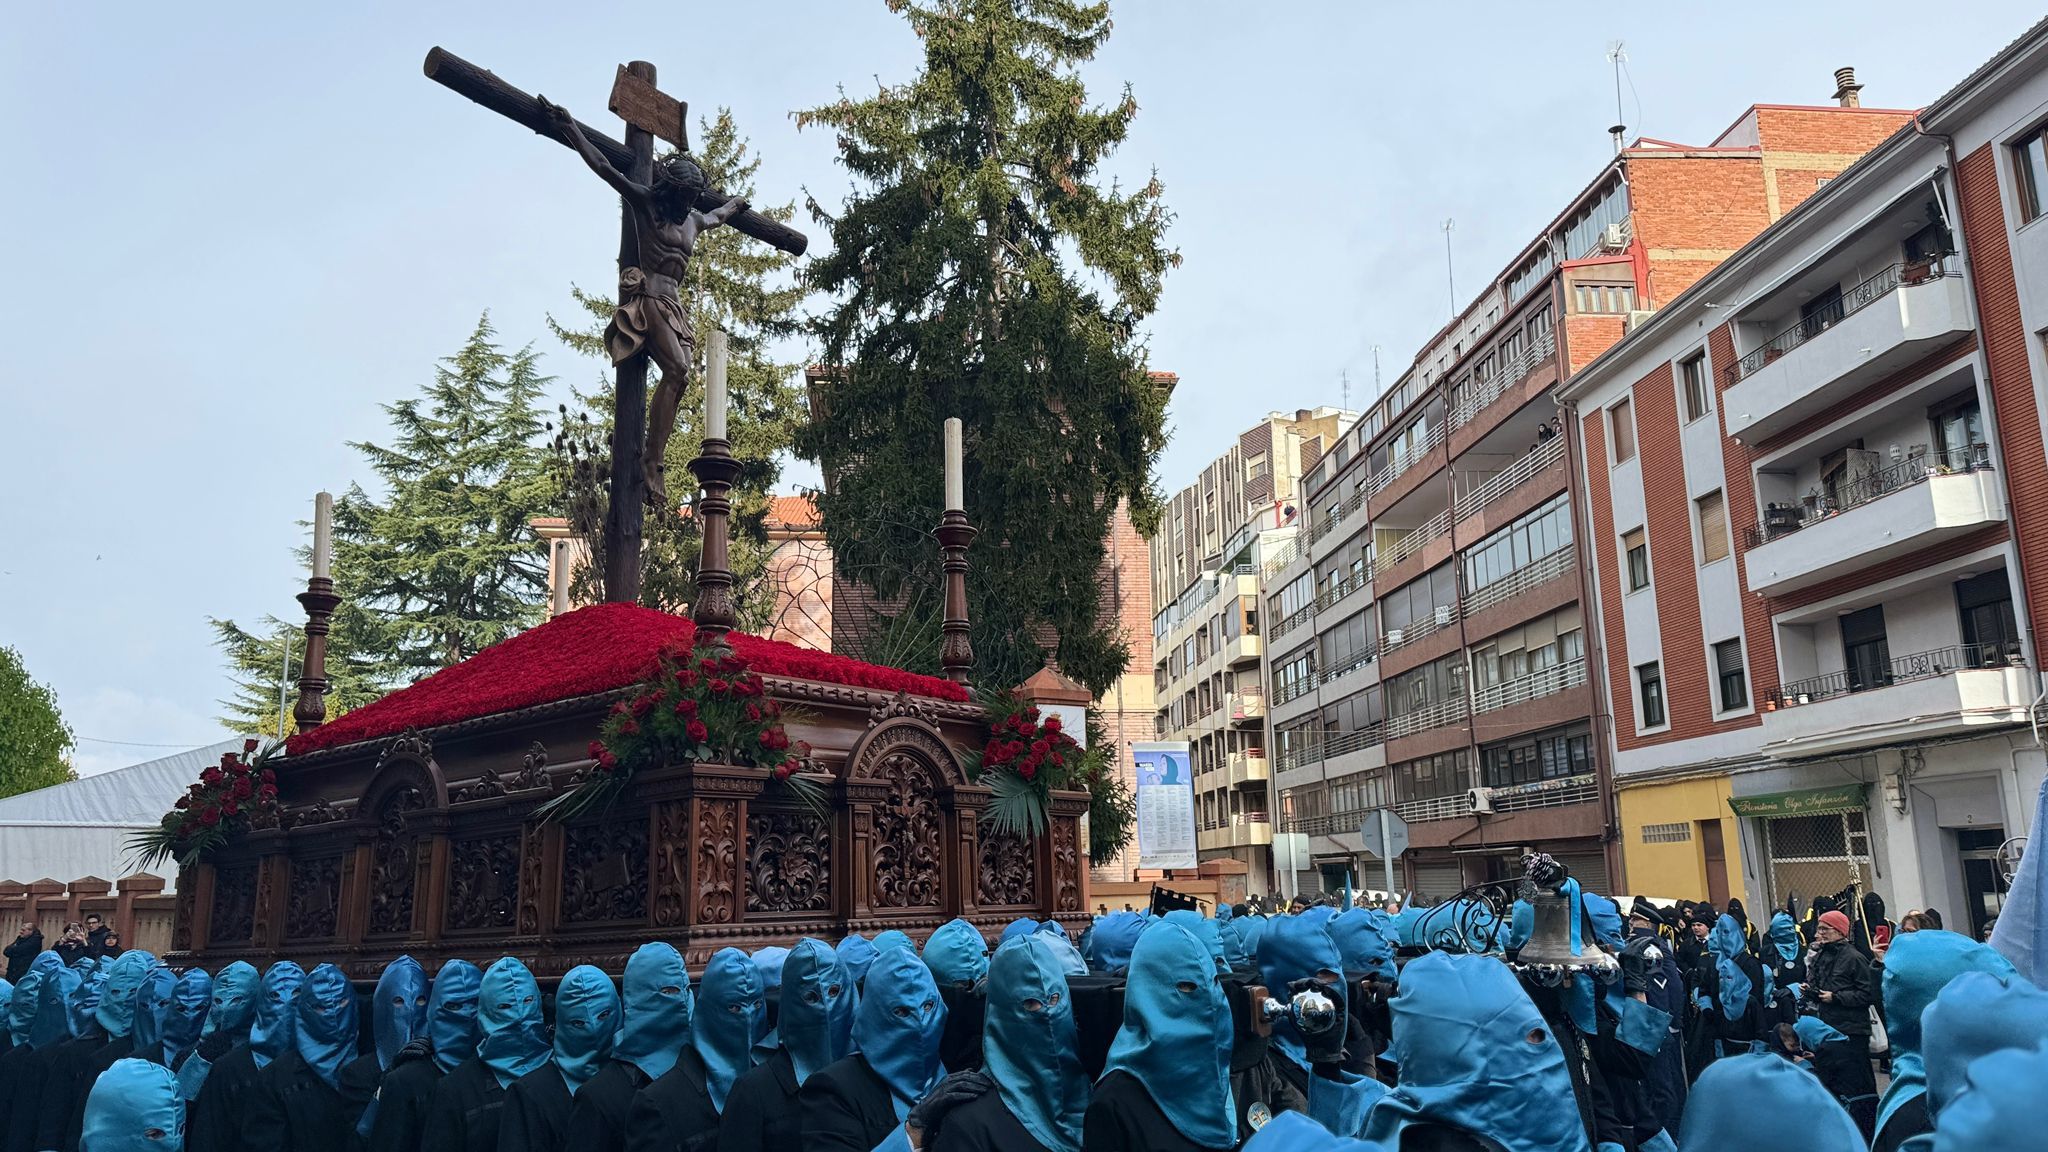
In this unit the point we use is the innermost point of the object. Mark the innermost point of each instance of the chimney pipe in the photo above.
(1847, 90)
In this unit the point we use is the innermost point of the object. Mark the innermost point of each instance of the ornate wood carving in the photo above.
(533, 769)
(717, 836)
(393, 877)
(409, 745)
(604, 871)
(313, 899)
(319, 812)
(909, 830)
(1008, 873)
(260, 927)
(904, 705)
(532, 851)
(487, 785)
(1066, 866)
(873, 754)
(187, 908)
(671, 857)
(483, 882)
(233, 917)
(789, 862)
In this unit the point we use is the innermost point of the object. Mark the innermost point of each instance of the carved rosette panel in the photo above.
(266, 898)
(789, 862)
(392, 874)
(604, 871)
(1009, 872)
(532, 848)
(313, 899)
(909, 836)
(1066, 866)
(188, 907)
(483, 882)
(718, 850)
(671, 855)
(232, 920)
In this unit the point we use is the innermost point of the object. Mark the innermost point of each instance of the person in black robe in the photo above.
(652, 1035)
(297, 1104)
(137, 1032)
(1166, 1085)
(398, 1014)
(854, 1103)
(397, 1116)
(213, 1123)
(681, 1111)
(49, 984)
(814, 1029)
(1664, 1081)
(538, 1104)
(1036, 1094)
(468, 1105)
(64, 1079)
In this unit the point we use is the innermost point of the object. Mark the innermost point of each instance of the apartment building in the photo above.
(1207, 641)
(1428, 648)
(1817, 488)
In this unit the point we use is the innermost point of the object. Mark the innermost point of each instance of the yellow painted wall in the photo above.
(1678, 870)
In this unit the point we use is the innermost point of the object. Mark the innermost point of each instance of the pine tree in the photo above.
(748, 289)
(259, 661)
(34, 739)
(982, 268)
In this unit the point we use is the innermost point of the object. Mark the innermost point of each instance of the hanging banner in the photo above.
(1166, 804)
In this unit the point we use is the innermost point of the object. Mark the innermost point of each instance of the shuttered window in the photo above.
(1713, 527)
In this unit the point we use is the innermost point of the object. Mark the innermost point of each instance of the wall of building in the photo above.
(1672, 869)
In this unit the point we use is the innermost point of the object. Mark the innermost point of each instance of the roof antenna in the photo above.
(1617, 55)
(1450, 272)
(1344, 379)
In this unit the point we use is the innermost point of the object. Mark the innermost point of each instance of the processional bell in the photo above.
(1549, 954)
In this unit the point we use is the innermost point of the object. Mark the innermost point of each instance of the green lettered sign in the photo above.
(1806, 802)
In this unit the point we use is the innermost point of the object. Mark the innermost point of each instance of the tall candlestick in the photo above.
(714, 386)
(956, 497)
(323, 534)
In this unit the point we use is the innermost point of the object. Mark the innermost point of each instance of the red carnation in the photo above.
(753, 714)
(720, 687)
(242, 789)
(642, 704)
(687, 709)
(267, 793)
(1052, 724)
(249, 747)
(1028, 771)
(1040, 747)
(182, 801)
(697, 731)
(209, 816)
(210, 776)
(687, 678)
(630, 728)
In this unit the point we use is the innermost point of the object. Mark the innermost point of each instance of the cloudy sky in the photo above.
(233, 230)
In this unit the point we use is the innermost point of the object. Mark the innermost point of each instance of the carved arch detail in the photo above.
(905, 735)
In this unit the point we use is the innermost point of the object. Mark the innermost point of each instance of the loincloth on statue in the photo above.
(646, 300)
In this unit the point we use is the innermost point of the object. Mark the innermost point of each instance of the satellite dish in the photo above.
(2009, 854)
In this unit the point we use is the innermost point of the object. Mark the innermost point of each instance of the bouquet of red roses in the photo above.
(230, 798)
(1029, 756)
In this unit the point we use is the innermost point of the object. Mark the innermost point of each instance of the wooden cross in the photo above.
(648, 113)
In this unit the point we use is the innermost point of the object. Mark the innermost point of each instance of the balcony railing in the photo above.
(1434, 528)
(1423, 719)
(1413, 456)
(1444, 616)
(1475, 398)
(1303, 749)
(1876, 288)
(1248, 703)
(1900, 670)
(1349, 664)
(1332, 823)
(1293, 620)
(1282, 556)
(1512, 477)
(1435, 808)
(1547, 794)
(1335, 515)
(1339, 589)
(1781, 520)
(1295, 689)
(1534, 686)
(1542, 571)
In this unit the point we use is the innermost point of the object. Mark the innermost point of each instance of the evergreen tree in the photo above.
(34, 739)
(748, 289)
(983, 268)
(260, 661)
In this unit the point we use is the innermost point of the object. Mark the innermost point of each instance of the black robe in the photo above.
(466, 1111)
(25, 1079)
(12, 1063)
(846, 1107)
(537, 1108)
(1123, 1117)
(214, 1121)
(69, 1078)
(359, 1078)
(119, 1048)
(598, 1122)
(402, 1100)
(983, 1124)
(761, 1110)
(290, 1108)
(675, 1113)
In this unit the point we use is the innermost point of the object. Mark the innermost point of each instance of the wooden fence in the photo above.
(134, 906)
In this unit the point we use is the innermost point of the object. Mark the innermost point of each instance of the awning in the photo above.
(1805, 802)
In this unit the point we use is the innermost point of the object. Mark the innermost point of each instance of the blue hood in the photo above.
(1109, 945)
(1297, 948)
(398, 1008)
(1055, 928)
(894, 938)
(271, 1032)
(1999, 1106)
(1725, 943)
(857, 953)
(1475, 1054)
(956, 954)
(1758, 1102)
(657, 1023)
(899, 1024)
(1408, 926)
(2021, 933)
(815, 1019)
(1784, 937)
(1917, 967)
(586, 1022)
(116, 1012)
(453, 1027)
(1814, 1032)
(1977, 1014)
(235, 992)
(1206, 930)
(1521, 924)
(731, 1017)
(27, 1000)
(1365, 949)
(191, 1005)
(515, 1037)
(769, 961)
(1176, 1035)
(1231, 933)
(134, 1106)
(1031, 1045)
(1603, 922)
(52, 1023)
(326, 1035)
(1015, 928)
(82, 1000)
(152, 1010)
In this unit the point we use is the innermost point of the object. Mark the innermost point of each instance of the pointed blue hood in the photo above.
(815, 1019)
(2021, 933)
(1917, 967)
(1475, 1054)
(657, 1010)
(1297, 948)
(515, 1037)
(1109, 945)
(191, 1004)
(1252, 929)
(1176, 1035)
(1784, 937)
(956, 954)
(1977, 1014)
(116, 1011)
(1206, 930)
(398, 1008)
(1365, 949)
(52, 1023)
(326, 1034)
(1999, 1106)
(1031, 1045)
(82, 1001)
(731, 1017)
(152, 1010)
(271, 1032)
(769, 961)
(236, 990)
(134, 1106)
(21, 1010)
(453, 1026)
(1758, 1102)
(857, 953)
(1725, 943)
(894, 938)
(586, 1022)
(1015, 928)
(1521, 924)
(899, 1024)
(1231, 933)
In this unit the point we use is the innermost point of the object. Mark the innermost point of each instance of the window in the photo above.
(1958, 429)
(1540, 533)
(1698, 401)
(1294, 676)
(1255, 467)
(1866, 649)
(1444, 774)
(1990, 633)
(1676, 833)
(1713, 512)
(1551, 755)
(1416, 604)
(1608, 298)
(1637, 548)
(2030, 157)
(1650, 678)
(1733, 673)
(1621, 425)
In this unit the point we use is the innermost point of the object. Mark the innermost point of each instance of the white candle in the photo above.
(714, 387)
(956, 498)
(323, 534)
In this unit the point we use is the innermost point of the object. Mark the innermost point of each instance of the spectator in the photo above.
(96, 936)
(22, 952)
(1840, 990)
(110, 946)
(71, 946)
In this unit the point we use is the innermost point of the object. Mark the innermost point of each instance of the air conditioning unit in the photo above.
(1613, 236)
(1481, 799)
(1395, 637)
(1637, 317)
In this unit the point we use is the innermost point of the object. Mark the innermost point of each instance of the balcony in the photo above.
(1293, 620)
(1432, 439)
(1541, 571)
(1248, 767)
(1441, 715)
(1248, 706)
(1950, 691)
(1894, 511)
(1243, 650)
(1536, 685)
(1515, 475)
(1244, 830)
(1881, 325)
(1435, 808)
(1331, 517)
(1434, 528)
(1477, 397)
(1440, 620)
(1314, 748)
(1348, 665)
(1545, 793)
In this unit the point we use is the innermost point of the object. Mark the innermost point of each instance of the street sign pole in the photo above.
(1387, 858)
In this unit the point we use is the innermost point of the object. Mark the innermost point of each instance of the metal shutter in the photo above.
(1439, 881)
(1590, 868)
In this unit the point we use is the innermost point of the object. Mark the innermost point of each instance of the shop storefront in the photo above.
(1680, 841)
(1809, 842)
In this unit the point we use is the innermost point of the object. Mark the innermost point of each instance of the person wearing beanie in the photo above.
(1840, 988)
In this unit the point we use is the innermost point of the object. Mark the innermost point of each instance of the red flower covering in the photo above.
(591, 650)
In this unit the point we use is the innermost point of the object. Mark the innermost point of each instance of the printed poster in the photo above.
(1166, 804)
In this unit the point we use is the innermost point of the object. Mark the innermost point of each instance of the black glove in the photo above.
(1318, 1013)
(955, 1090)
(420, 1049)
(1639, 960)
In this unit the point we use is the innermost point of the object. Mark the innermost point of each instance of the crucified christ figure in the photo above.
(651, 317)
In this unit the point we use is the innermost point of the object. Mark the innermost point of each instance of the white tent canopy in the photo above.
(82, 828)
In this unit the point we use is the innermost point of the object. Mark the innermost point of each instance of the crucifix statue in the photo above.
(664, 209)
